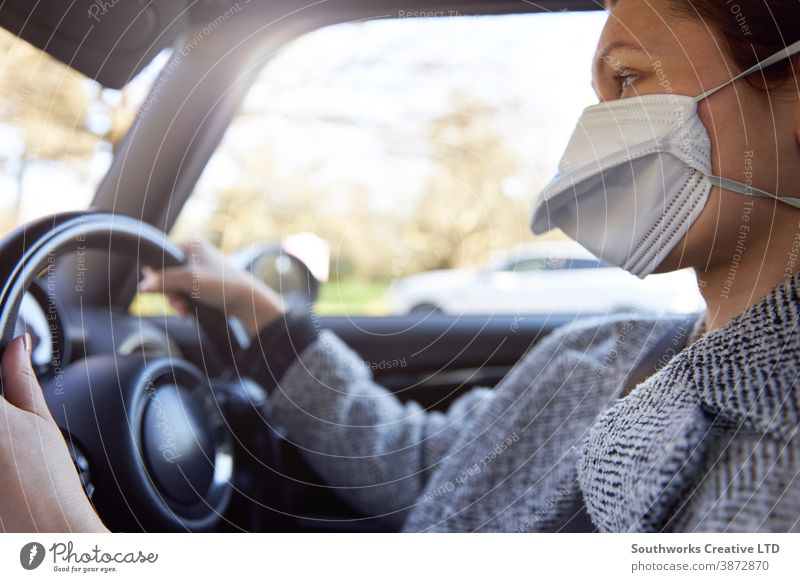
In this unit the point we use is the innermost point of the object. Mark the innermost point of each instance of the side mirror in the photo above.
(286, 274)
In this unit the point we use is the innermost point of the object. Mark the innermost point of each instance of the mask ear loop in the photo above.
(732, 185)
(739, 188)
(782, 54)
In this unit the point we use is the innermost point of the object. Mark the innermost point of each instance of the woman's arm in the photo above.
(376, 450)
(211, 279)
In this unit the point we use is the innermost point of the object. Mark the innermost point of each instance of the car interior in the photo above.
(71, 277)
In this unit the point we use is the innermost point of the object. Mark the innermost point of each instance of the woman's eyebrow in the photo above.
(620, 44)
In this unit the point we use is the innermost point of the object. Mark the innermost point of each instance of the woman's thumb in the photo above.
(20, 386)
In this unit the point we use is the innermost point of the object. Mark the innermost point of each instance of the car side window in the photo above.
(584, 264)
(529, 266)
(409, 157)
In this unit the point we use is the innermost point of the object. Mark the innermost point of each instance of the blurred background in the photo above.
(405, 146)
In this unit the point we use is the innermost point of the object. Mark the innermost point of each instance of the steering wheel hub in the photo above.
(178, 446)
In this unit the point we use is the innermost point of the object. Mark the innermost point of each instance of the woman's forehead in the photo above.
(650, 27)
(638, 24)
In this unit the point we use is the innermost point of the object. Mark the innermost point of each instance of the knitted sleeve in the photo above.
(275, 348)
(376, 451)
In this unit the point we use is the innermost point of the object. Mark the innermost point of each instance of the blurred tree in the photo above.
(464, 212)
(55, 114)
(261, 205)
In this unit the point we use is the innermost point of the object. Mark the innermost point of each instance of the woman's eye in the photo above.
(626, 80)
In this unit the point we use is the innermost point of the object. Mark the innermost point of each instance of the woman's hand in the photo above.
(209, 278)
(40, 490)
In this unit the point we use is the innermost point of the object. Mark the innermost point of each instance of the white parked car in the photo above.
(545, 278)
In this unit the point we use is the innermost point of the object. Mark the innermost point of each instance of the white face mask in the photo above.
(636, 175)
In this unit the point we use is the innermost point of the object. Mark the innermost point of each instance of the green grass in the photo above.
(352, 298)
(150, 305)
(339, 298)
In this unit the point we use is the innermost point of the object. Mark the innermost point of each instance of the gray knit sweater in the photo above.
(708, 443)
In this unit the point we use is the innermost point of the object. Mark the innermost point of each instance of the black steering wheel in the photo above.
(148, 429)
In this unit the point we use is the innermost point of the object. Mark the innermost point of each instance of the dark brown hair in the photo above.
(751, 29)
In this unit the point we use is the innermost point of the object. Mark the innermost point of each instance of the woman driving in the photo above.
(691, 159)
